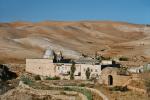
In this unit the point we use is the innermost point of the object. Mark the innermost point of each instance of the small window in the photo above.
(79, 73)
(68, 72)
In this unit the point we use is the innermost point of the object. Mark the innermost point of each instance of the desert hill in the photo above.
(20, 40)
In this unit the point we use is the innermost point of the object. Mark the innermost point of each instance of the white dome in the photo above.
(49, 53)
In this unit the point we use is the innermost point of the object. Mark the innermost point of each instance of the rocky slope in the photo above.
(20, 40)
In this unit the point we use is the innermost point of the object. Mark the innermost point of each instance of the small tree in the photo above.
(37, 77)
(72, 70)
(88, 72)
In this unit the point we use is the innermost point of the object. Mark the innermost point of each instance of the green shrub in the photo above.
(119, 88)
(37, 77)
(82, 85)
(53, 78)
(56, 78)
(48, 78)
(84, 92)
(105, 58)
(81, 90)
(67, 89)
(26, 80)
(123, 59)
(63, 93)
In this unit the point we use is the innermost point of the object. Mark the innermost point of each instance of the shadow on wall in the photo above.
(110, 65)
(5, 74)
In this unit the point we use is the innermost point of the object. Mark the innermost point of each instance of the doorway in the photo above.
(110, 80)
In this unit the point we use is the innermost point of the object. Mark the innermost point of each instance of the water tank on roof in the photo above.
(49, 54)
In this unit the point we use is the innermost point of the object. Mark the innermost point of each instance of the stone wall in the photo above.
(80, 68)
(46, 67)
(43, 67)
(117, 80)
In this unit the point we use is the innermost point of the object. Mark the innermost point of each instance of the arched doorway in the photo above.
(110, 80)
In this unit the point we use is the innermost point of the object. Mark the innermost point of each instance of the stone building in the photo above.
(111, 77)
(53, 64)
(43, 67)
(140, 69)
(46, 67)
(63, 70)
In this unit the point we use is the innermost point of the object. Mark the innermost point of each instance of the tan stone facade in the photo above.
(109, 76)
(46, 67)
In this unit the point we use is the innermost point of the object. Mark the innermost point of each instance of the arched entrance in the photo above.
(110, 80)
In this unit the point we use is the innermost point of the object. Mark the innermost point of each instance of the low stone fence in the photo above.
(49, 92)
(97, 94)
(136, 89)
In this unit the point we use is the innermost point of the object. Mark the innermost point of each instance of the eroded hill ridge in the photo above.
(20, 40)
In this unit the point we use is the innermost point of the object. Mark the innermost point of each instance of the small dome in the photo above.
(49, 53)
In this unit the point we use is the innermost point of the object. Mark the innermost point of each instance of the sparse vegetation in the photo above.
(82, 85)
(53, 78)
(123, 59)
(26, 80)
(122, 71)
(37, 77)
(63, 93)
(118, 88)
(88, 73)
(105, 58)
(118, 95)
(84, 55)
(81, 90)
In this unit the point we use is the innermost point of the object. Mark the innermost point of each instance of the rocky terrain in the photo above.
(20, 40)
(5, 75)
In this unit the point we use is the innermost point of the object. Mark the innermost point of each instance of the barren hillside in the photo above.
(20, 40)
